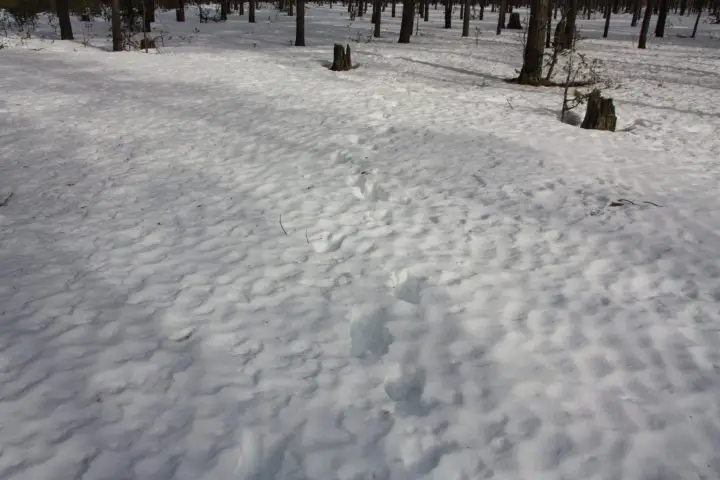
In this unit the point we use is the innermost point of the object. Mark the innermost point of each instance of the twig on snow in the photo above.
(509, 104)
(5, 198)
(306, 237)
(281, 226)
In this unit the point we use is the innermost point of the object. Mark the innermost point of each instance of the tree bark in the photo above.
(608, 12)
(251, 11)
(501, 17)
(426, 15)
(570, 21)
(636, 13)
(683, 7)
(600, 114)
(63, 13)
(377, 12)
(466, 20)
(531, 73)
(392, 8)
(180, 11)
(642, 43)
(406, 24)
(548, 33)
(662, 18)
(300, 24)
(241, 8)
(448, 13)
(116, 30)
(224, 7)
(697, 20)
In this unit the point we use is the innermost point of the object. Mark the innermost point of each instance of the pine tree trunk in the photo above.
(300, 24)
(251, 11)
(224, 6)
(116, 29)
(642, 43)
(377, 12)
(608, 12)
(636, 13)
(531, 73)
(697, 20)
(548, 31)
(501, 16)
(570, 21)
(241, 8)
(426, 14)
(180, 11)
(683, 7)
(448, 13)
(662, 17)
(406, 24)
(466, 20)
(392, 8)
(63, 13)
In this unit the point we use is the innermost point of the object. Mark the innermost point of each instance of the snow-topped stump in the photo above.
(600, 114)
(342, 61)
(514, 22)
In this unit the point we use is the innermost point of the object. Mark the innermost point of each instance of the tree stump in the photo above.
(147, 43)
(600, 114)
(514, 22)
(341, 59)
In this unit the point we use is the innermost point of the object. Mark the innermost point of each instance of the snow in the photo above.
(226, 261)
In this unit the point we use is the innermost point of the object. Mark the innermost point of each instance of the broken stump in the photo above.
(514, 22)
(341, 58)
(600, 114)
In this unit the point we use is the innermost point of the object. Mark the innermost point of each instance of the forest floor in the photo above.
(224, 261)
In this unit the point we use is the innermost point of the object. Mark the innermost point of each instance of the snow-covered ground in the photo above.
(225, 261)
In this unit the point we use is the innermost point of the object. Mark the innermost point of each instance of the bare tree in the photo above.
(251, 11)
(662, 17)
(63, 13)
(531, 72)
(406, 24)
(466, 20)
(697, 19)
(608, 12)
(636, 13)
(642, 43)
(568, 37)
(180, 11)
(448, 13)
(299, 24)
(377, 12)
(501, 16)
(116, 30)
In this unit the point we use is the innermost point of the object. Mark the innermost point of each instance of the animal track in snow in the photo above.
(368, 333)
(405, 287)
(366, 189)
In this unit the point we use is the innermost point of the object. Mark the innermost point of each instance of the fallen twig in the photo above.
(4, 199)
(281, 226)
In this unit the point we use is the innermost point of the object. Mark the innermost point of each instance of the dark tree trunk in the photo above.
(63, 13)
(392, 8)
(448, 13)
(291, 10)
(600, 114)
(406, 24)
(148, 14)
(548, 30)
(568, 38)
(116, 29)
(642, 43)
(251, 11)
(697, 20)
(501, 17)
(377, 12)
(180, 11)
(662, 17)
(466, 20)
(636, 13)
(300, 24)
(531, 73)
(426, 16)
(241, 8)
(482, 9)
(608, 12)
(683, 7)
(224, 7)
(359, 8)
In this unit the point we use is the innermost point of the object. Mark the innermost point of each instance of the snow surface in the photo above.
(225, 261)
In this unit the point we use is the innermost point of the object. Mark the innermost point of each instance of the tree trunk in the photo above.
(683, 7)
(636, 13)
(63, 13)
(600, 114)
(570, 20)
(466, 20)
(531, 73)
(251, 11)
(608, 12)
(180, 11)
(501, 17)
(642, 43)
(482, 9)
(426, 15)
(300, 24)
(377, 12)
(116, 29)
(697, 20)
(406, 24)
(662, 17)
(548, 30)
(514, 22)
(392, 8)
(241, 8)
(224, 7)
(148, 14)
(448, 13)
(341, 59)
(291, 11)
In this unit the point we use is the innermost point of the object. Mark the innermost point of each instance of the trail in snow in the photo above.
(449, 295)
